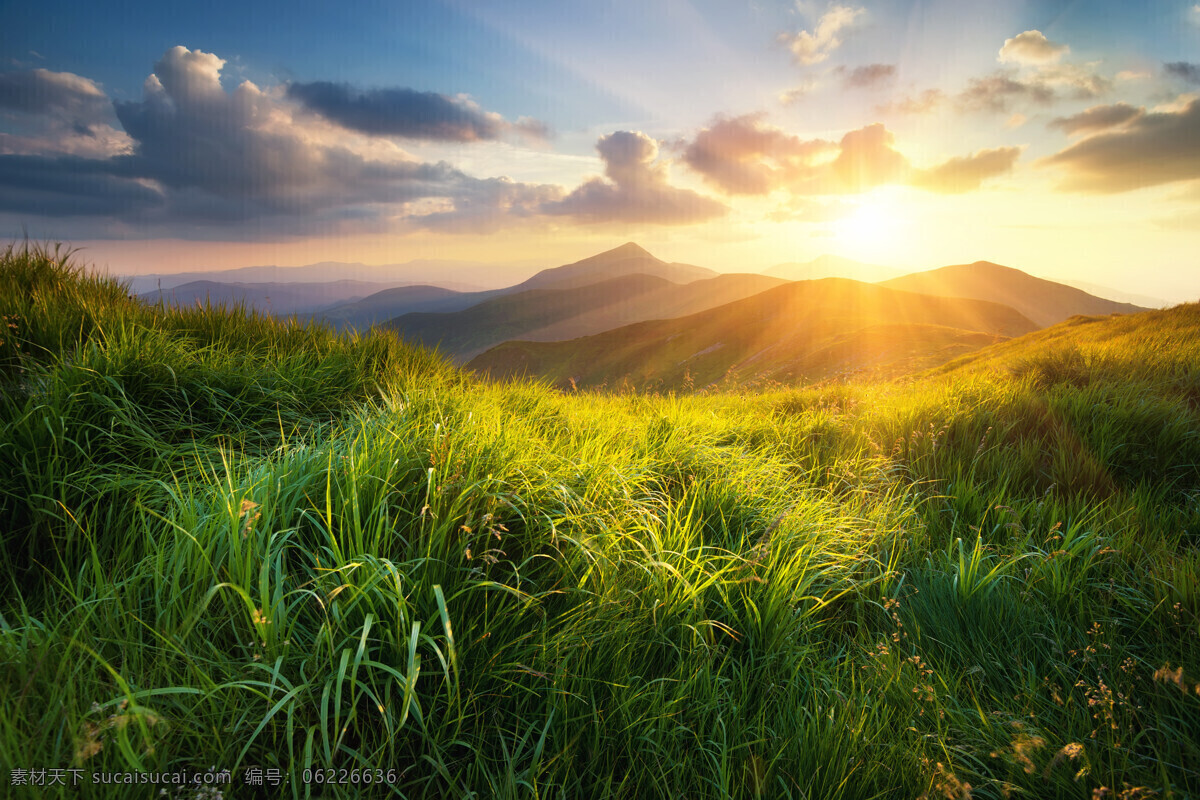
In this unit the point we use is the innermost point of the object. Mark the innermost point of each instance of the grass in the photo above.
(242, 543)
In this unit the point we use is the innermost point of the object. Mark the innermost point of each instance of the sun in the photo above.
(877, 229)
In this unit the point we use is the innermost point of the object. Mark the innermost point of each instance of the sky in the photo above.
(1060, 137)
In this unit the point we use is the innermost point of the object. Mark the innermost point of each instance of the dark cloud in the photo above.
(40, 91)
(637, 189)
(1182, 69)
(967, 173)
(997, 91)
(868, 76)
(745, 156)
(204, 157)
(1096, 118)
(1155, 148)
(57, 112)
(70, 186)
(406, 113)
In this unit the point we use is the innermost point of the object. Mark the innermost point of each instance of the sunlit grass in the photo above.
(239, 542)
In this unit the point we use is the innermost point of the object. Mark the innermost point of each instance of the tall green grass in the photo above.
(237, 542)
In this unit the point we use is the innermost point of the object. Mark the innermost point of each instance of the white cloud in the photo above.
(813, 48)
(1032, 47)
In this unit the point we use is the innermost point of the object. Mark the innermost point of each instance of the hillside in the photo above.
(1045, 302)
(556, 314)
(378, 308)
(808, 330)
(628, 259)
(232, 540)
(1159, 345)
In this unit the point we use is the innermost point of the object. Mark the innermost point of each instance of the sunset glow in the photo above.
(1057, 137)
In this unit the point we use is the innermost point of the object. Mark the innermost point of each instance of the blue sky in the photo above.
(1055, 136)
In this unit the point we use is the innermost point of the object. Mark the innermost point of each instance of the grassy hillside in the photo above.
(553, 314)
(809, 330)
(1045, 302)
(239, 542)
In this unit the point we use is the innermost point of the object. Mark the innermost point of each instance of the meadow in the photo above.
(236, 542)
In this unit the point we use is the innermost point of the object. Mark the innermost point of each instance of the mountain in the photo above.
(828, 266)
(566, 313)
(1045, 302)
(807, 330)
(382, 306)
(458, 275)
(280, 299)
(628, 259)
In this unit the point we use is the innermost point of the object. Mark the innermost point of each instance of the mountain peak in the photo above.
(628, 250)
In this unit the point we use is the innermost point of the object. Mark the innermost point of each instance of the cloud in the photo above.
(967, 173)
(489, 205)
(1154, 148)
(1080, 82)
(792, 96)
(58, 112)
(923, 103)
(813, 48)
(407, 113)
(39, 91)
(868, 76)
(637, 189)
(743, 155)
(1032, 47)
(867, 159)
(1096, 118)
(1036, 78)
(246, 162)
(997, 91)
(1189, 73)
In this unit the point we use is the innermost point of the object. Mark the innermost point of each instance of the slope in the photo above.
(1045, 302)
(628, 259)
(555, 314)
(806, 330)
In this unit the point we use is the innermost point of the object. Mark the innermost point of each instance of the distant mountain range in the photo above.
(628, 259)
(626, 317)
(464, 276)
(566, 313)
(802, 330)
(832, 267)
(1045, 302)
(279, 299)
